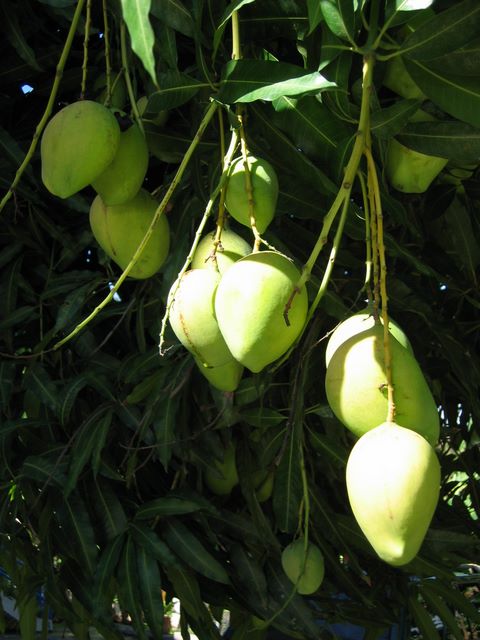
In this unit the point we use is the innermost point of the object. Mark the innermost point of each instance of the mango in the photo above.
(225, 377)
(263, 481)
(120, 228)
(222, 476)
(307, 576)
(357, 323)
(250, 303)
(192, 318)
(232, 247)
(124, 176)
(393, 483)
(410, 171)
(265, 192)
(77, 145)
(356, 381)
(398, 80)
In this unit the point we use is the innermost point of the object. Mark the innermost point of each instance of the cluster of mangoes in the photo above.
(88, 144)
(228, 309)
(393, 473)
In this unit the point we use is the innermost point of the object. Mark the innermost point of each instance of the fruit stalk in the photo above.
(368, 241)
(160, 209)
(108, 66)
(51, 101)
(88, 19)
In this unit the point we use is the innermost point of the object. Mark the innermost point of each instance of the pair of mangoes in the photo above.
(233, 317)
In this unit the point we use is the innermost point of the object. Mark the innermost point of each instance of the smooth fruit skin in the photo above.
(119, 229)
(223, 476)
(410, 171)
(265, 192)
(225, 377)
(399, 80)
(393, 483)
(124, 176)
(232, 247)
(192, 317)
(314, 571)
(249, 306)
(78, 144)
(352, 326)
(356, 381)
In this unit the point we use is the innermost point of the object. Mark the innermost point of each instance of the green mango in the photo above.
(120, 228)
(293, 556)
(265, 192)
(393, 483)
(124, 176)
(250, 303)
(356, 381)
(232, 248)
(225, 377)
(222, 476)
(192, 318)
(410, 171)
(263, 482)
(398, 80)
(357, 323)
(78, 144)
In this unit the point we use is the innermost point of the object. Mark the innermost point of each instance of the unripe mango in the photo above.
(250, 303)
(192, 317)
(352, 326)
(311, 577)
(265, 192)
(78, 144)
(356, 386)
(124, 176)
(393, 482)
(410, 171)
(399, 80)
(225, 377)
(119, 229)
(232, 247)
(222, 476)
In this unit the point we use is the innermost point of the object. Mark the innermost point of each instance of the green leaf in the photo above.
(69, 310)
(40, 383)
(168, 506)
(174, 14)
(7, 376)
(455, 599)
(438, 606)
(397, 6)
(262, 417)
(175, 89)
(128, 586)
(150, 586)
(385, 123)
(13, 32)
(104, 573)
(446, 32)
(108, 508)
(149, 540)
(250, 80)
(250, 576)
(423, 619)
(462, 62)
(451, 139)
(192, 552)
(314, 14)
(74, 519)
(45, 469)
(69, 396)
(227, 14)
(458, 96)
(288, 488)
(136, 16)
(340, 17)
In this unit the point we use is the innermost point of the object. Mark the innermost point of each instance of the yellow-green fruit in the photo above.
(232, 247)
(119, 230)
(225, 377)
(356, 386)
(265, 192)
(222, 476)
(124, 176)
(310, 579)
(78, 144)
(393, 482)
(160, 119)
(352, 326)
(399, 80)
(192, 317)
(250, 304)
(410, 171)
(263, 483)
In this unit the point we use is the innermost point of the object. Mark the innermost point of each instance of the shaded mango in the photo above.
(305, 570)
(410, 171)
